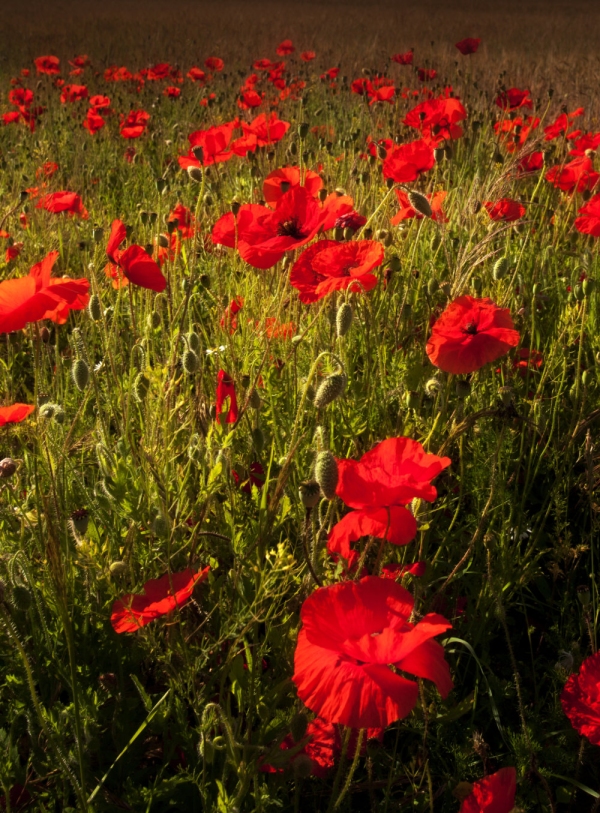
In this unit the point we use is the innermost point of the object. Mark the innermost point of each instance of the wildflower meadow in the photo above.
(300, 389)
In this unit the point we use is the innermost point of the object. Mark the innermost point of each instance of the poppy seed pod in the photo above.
(310, 493)
(7, 467)
(118, 569)
(95, 308)
(322, 195)
(500, 269)
(343, 319)
(583, 594)
(303, 129)
(330, 389)
(141, 385)
(208, 200)
(382, 152)
(439, 154)
(80, 520)
(163, 240)
(80, 372)
(97, 234)
(394, 263)
(198, 153)
(298, 724)
(235, 207)
(190, 362)
(47, 411)
(195, 174)
(193, 341)
(326, 474)
(420, 203)
(59, 414)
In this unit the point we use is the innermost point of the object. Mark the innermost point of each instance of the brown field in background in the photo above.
(537, 43)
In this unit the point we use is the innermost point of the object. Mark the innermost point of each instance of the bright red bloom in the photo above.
(226, 389)
(406, 162)
(215, 144)
(69, 202)
(185, 221)
(577, 175)
(379, 486)
(99, 102)
(284, 48)
(406, 210)
(20, 97)
(531, 163)
(289, 177)
(134, 125)
(49, 65)
(196, 75)
(528, 360)
(172, 92)
(505, 209)
(493, 794)
(47, 170)
(513, 98)
(580, 699)
(250, 99)
(396, 572)
(403, 59)
(588, 221)
(160, 596)
(587, 141)
(15, 413)
(13, 251)
(263, 236)
(81, 61)
(267, 130)
(331, 266)
(321, 747)
(562, 123)
(468, 45)
(229, 318)
(40, 296)
(307, 56)
(133, 264)
(384, 93)
(351, 633)
(331, 74)
(469, 334)
(437, 118)
(93, 121)
(214, 63)
(73, 93)
(513, 133)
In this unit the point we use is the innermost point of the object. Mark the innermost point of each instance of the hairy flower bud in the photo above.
(138, 357)
(330, 389)
(21, 598)
(343, 319)
(310, 493)
(118, 569)
(193, 341)
(161, 525)
(80, 373)
(195, 174)
(94, 308)
(500, 269)
(141, 385)
(326, 474)
(190, 362)
(420, 203)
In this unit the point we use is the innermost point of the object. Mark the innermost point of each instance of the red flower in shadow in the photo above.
(493, 794)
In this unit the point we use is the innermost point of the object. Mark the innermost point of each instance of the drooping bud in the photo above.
(330, 389)
(500, 269)
(59, 414)
(161, 525)
(118, 569)
(95, 308)
(7, 467)
(193, 341)
(326, 474)
(80, 520)
(420, 203)
(154, 320)
(190, 362)
(21, 598)
(343, 319)
(80, 372)
(310, 493)
(432, 286)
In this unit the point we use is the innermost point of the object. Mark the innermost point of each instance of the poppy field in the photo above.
(300, 389)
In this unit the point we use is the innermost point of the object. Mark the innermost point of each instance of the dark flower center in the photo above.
(470, 328)
(291, 228)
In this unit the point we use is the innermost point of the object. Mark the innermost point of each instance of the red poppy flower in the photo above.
(513, 133)
(323, 743)
(426, 74)
(577, 175)
(588, 221)
(57, 202)
(214, 63)
(351, 633)
(172, 92)
(215, 144)
(403, 59)
(468, 45)
(13, 251)
(350, 220)
(469, 334)
(284, 48)
(229, 318)
(379, 486)
(49, 65)
(528, 360)
(40, 296)
(513, 98)
(256, 477)
(587, 141)
(250, 99)
(185, 222)
(81, 61)
(226, 389)
(99, 102)
(333, 266)
(21, 97)
(406, 210)
(160, 596)
(134, 124)
(505, 209)
(531, 163)
(133, 264)
(580, 699)
(562, 123)
(406, 162)
(196, 75)
(384, 93)
(437, 118)
(395, 571)
(493, 794)
(73, 93)
(289, 177)
(331, 74)
(93, 121)
(15, 413)
(307, 56)
(267, 130)
(263, 236)
(47, 170)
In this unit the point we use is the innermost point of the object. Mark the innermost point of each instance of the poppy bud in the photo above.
(258, 439)
(254, 400)
(80, 373)
(310, 494)
(7, 467)
(144, 217)
(285, 186)
(140, 388)
(195, 174)
(588, 285)
(161, 185)
(303, 129)
(326, 474)
(208, 200)
(163, 240)
(448, 150)
(95, 308)
(343, 319)
(506, 395)
(330, 389)
(477, 285)
(160, 525)
(293, 148)
(206, 749)
(412, 400)
(193, 341)
(500, 269)
(432, 286)
(47, 411)
(463, 388)
(198, 153)
(348, 233)
(154, 320)
(204, 280)
(118, 569)
(80, 520)
(433, 386)
(21, 598)
(59, 414)
(302, 765)
(583, 594)
(439, 154)
(322, 195)
(585, 377)
(364, 176)
(338, 234)
(235, 207)
(45, 334)
(190, 361)
(367, 233)
(420, 203)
